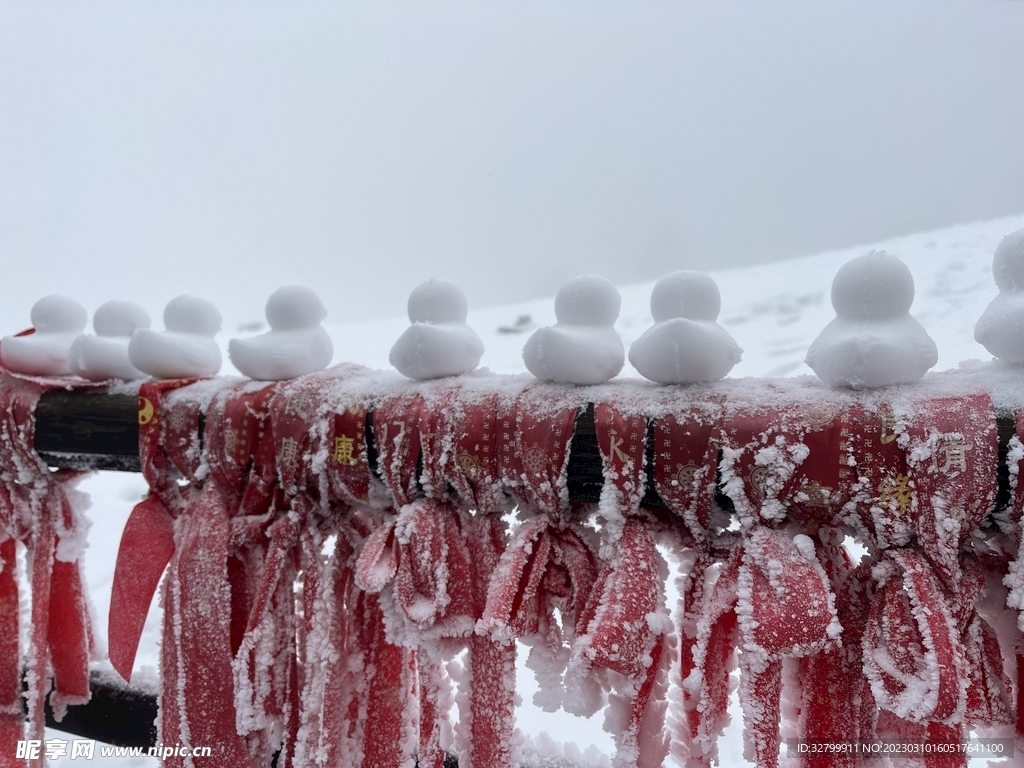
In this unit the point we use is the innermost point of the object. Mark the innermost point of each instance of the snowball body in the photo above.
(296, 343)
(186, 348)
(583, 347)
(439, 342)
(57, 321)
(105, 355)
(686, 344)
(1000, 329)
(873, 341)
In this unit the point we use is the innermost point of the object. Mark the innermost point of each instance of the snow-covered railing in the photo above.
(394, 524)
(100, 431)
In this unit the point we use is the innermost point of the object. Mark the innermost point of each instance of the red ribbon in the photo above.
(288, 467)
(36, 509)
(147, 542)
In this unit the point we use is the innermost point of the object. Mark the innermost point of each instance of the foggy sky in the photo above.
(225, 149)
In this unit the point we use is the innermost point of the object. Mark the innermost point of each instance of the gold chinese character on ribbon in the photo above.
(343, 446)
(299, 404)
(817, 495)
(954, 452)
(888, 423)
(896, 490)
(289, 450)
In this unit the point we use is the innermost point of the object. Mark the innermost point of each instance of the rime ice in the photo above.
(439, 342)
(105, 355)
(873, 341)
(686, 344)
(186, 348)
(1000, 329)
(57, 321)
(296, 343)
(583, 347)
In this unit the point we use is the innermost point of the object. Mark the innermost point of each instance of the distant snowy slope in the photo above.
(773, 311)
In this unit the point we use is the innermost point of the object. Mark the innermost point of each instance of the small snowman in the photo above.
(105, 355)
(686, 344)
(296, 343)
(56, 322)
(186, 350)
(439, 342)
(582, 347)
(873, 341)
(1000, 329)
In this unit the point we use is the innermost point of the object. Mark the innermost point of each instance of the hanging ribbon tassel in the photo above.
(391, 728)
(38, 510)
(12, 718)
(196, 658)
(785, 608)
(912, 651)
(706, 688)
(625, 620)
(147, 542)
(831, 682)
(460, 464)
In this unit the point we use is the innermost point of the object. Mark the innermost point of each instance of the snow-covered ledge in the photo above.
(754, 484)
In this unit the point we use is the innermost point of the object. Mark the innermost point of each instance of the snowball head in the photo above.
(119, 318)
(190, 314)
(294, 307)
(693, 295)
(58, 314)
(874, 286)
(1008, 262)
(437, 301)
(588, 300)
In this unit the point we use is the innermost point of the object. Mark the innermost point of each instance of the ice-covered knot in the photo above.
(582, 347)
(686, 344)
(439, 342)
(873, 341)
(1000, 329)
(296, 343)
(186, 348)
(422, 555)
(105, 355)
(56, 322)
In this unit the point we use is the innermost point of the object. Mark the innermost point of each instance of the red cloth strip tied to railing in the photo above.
(41, 510)
(320, 611)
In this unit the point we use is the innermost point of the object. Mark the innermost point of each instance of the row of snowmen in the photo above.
(872, 342)
(124, 346)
